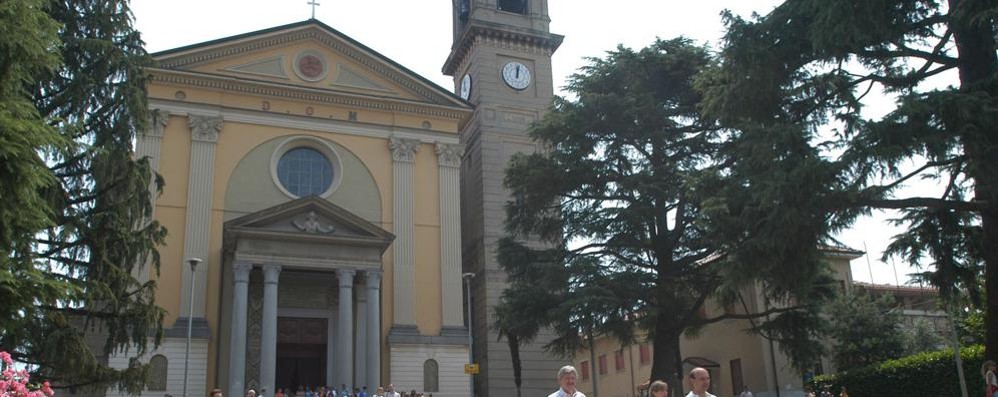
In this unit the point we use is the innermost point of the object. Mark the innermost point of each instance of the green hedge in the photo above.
(925, 374)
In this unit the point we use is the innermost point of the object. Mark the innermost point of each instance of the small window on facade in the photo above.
(515, 6)
(157, 373)
(618, 360)
(431, 376)
(737, 382)
(584, 367)
(602, 364)
(305, 171)
(644, 354)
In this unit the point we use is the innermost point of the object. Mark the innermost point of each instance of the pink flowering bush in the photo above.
(14, 383)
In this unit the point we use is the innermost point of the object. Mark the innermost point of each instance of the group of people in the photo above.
(323, 391)
(699, 383)
(827, 392)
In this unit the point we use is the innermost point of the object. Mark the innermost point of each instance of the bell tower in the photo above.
(501, 63)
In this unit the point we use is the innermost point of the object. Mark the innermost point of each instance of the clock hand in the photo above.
(517, 71)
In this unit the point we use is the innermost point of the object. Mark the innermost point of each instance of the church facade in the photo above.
(325, 206)
(318, 184)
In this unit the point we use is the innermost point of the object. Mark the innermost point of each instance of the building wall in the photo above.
(721, 343)
(174, 349)
(408, 363)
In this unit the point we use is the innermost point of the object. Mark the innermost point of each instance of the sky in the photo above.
(418, 34)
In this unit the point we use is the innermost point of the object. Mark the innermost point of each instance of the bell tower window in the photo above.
(514, 6)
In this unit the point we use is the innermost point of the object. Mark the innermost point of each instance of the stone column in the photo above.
(403, 156)
(268, 339)
(449, 169)
(344, 346)
(237, 349)
(373, 329)
(204, 135)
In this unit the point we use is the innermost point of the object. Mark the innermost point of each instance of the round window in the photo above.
(304, 171)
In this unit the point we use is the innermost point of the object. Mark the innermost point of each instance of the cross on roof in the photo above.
(313, 3)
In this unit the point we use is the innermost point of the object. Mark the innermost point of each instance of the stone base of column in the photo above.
(409, 335)
(199, 329)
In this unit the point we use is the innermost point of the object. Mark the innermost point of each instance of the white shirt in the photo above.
(705, 394)
(746, 394)
(562, 393)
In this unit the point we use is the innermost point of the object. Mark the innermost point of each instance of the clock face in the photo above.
(465, 87)
(516, 75)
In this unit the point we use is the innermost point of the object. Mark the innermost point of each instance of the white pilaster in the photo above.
(373, 329)
(403, 156)
(147, 145)
(268, 334)
(237, 349)
(204, 135)
(449, 168)
(344, 347)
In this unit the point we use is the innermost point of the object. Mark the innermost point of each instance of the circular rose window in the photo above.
(304, 171)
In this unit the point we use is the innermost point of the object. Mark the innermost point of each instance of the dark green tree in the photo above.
(74, 204)
(615, 198)
(921, 336)
(866, 330)
(791, 85)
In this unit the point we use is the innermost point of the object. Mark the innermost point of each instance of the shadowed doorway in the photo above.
(301, 353)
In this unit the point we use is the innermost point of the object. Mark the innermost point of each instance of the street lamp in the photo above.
(471, 339)
(190, 322)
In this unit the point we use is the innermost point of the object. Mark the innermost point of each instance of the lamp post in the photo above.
(190, 322)
(471, 339)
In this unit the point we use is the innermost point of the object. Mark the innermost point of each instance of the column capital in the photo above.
(204, 128)
(271, 271)
(403, 149)
(373, 278)
(157, 122)
(242, 271)
(449, 154)
(346, 277)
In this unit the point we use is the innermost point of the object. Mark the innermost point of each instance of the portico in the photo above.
(314, 269)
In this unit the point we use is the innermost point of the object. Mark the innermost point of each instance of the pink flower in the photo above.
(14, 383)
(47, 389)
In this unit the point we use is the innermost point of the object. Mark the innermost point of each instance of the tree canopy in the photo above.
(866, 330)
(803, 160)
(74, 203)
(616, 196)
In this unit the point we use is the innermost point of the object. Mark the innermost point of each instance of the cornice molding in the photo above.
(305, 94)
(238, 115)
(307, 33)
(483, 33)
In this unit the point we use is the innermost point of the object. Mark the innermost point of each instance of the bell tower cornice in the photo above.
(478, 32)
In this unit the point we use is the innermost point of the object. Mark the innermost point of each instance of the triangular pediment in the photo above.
(306, 54)
(309, 219)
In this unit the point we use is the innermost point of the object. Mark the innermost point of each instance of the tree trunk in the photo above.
(514, 352)
(976, 46)
(666, 359)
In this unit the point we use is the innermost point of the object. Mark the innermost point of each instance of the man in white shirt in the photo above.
(699, 383)
(566, 380)
(746, 392)
(391, 391)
